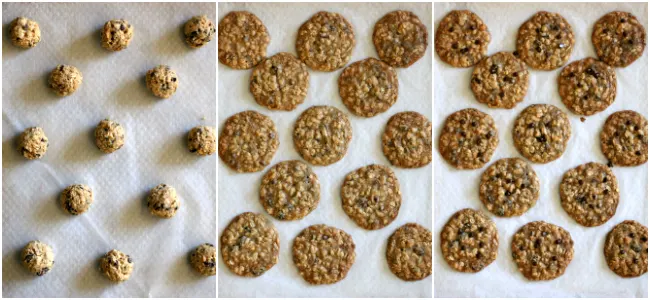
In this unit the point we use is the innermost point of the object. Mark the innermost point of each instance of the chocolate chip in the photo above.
(472, 27)
(477, 42)
(638, 153)
(508, 193)
(502, 94)
(478, 81)
(451, 29)
(631, 235)
(622, 20)
(538, 49)
(558, 241)
(541, 138)
(516, 53)
(464, 50)
(494, 69)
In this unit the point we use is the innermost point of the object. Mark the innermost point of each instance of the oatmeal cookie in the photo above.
(280, 82)
(248, 141)
(509, 187)
(76, 199)
(243, 39)
(400, 38)
(541, 132)
(406, 141)
(204, 259)
(325, 41)
(468, 139)
(24, 33)
(545, 41)
(322, 134)
(116, 35)
(587, 86)
(409, 252)
(32, 143)
(462, 39)
(250, 245)
(500, 80)
(624, 138)
(619, 39)
(199, 31)
(589, 194)
(368, 87)
(469, 241)
(290, 190)
(64, 80)
(323, 254)
(542, 251)
(626, 249)
(37, 257)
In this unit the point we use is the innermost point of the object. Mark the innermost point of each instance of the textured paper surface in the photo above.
(238, 193)
(588, 274)
(155, 152)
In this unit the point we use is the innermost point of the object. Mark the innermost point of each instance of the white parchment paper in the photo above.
(238, 193)
(588, 274)
(155, 152)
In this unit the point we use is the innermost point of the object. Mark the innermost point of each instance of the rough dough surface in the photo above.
(116, 265)
(280, 82)
(290, 190)
(368, 87)
(248, 141)
(322, 135)
(162, 81)
(76, 199)
(542, 251)
(409, 252)
(204, 259)
(400, 38)
(38, 258)
(24, 33)
(116, 35)
(626, 249)
(199, 31)
(202, 140)
(469, 241)
(163, 201)
(407, 141)
(65, 80)
(243, 39)
(109, 136)
(325, 41)
(33, 143)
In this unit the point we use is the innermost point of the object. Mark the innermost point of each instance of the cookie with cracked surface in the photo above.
(541, 132)
(368, 87)
(409, 252)
(322, 135)
(400, 38)
(406, 141)
(248, 141)
(589, 194)
(587, 86)
(243, 39)
(204, 259)
(250, 245)
(619, 39)
(24, 33)
(37, 257)
(626, 249)
(468, 139)
(76, 199)
(624, 138)
(116, 265)
(32, 143)
(290, 190)
(325, 41)
(500, 80)
(545, 41)
(462, 39)
(542, 251)
(280, 82)
(323, 254)
(509, 187)
(469, 241)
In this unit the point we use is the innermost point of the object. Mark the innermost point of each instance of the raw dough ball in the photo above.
(204, 259)
(199, 31)
(109, 136)
(24, 33)
(202, 140)
(116, 35)
(163, 201)
(38, 258)
(162, 81)
(76, 199)
(33, 143)
(65, 80)
(116, 265)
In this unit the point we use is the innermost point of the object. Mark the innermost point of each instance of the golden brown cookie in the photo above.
(619, 39)
(469, 241)
(400, 38)
(589, 194)
(468, 139)
(409, 252)
(500, 80)
(541, 132)
(587, 86)
(322, 134)
(325, 41)
(509, 187)
(243, 39)
(323, 254)
(626, 249)
(542, 251)
(368, 87)
(624, 138)
(250, 245)
(280, 82)
(248, 141)
(462, 39)
(290, 190)
(545, 41)
(406, 141)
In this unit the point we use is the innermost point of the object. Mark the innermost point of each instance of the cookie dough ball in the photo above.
(199, 31)
(116, 265)
(202, 140)
(65, 80)
(116, 35)
(109, 136)
(24, 33)
(204, 259)
(37, 257)
(162, 201)
(33, 143)
(76, 199)
(162, 81)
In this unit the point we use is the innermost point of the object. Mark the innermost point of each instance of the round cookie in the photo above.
(163, 201)
(162, 81)
(624, 138)
(509, 187)
(243, 39)
(37, 257)
(542, 251)
(462, 39)
(500, 80)
(250, 245)
(368, 87)
(371, 196)
(541, 132)
(589, 194)
(199, 31)
(325, 41)
(409, 252)
(204, 259)
(545, 41)
(76, 199)
(400, 38)
(248, 141)
(109, 136)
(468, 139)
(290, 190)
(323, 254)
(33, 143)
(406, 141)
(619, 39)
(116, 35)
(24, 33)
(587, 86)
(322, 135)
(469, 241)
(65, 80)
(202, 140)
(116, 265)
(626, 249)
(280, 82)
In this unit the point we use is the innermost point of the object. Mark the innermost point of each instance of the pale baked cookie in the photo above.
(368, 87)
(76, 199)
(116, 35)
(243, 39)
(280, 82)
(202, 140)
(589, 194)
(199, 31)
(65, 80)
(624, 138)
(37, 257)
(469, 241)
(619, 38)
(462, 39)
(407, 141)
(500, 80)
(162, 81)
(325, 41)
(545, 41)
(626, 249)
(409, 252)
(163, 201)
(109, 136)
(468, 139)
(33, 143)
(509, 187)
(400, 38)
(250, 245)
(542, 251)
(248, 141)
(116, 265)
(24, 33)
(290, 190)
(323, 254)
(322, 135)
(587, 86)
(204, 259)
(541, 132)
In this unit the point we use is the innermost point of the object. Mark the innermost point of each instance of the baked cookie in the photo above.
(541, 132)
(545, 41)
(368, 87)
(542, 251)
(626, 249)
(500, 80)
(243, 39)
(322, 134)
(624, 138)
(469, 241)
(462, 39)
(280, 82)
(509, 187)
(323, 254)
(587, 86)
(250, 245)
(248, 141)
(325, 41)
(406, 141)
(589, 194)
(371, 196)
(468, 139)
(400, 38)
(409, 252)
(290, 190)
(619, 38)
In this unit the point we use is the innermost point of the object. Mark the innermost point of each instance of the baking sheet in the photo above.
(370, 275)
(155, 152)
(588, 274)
